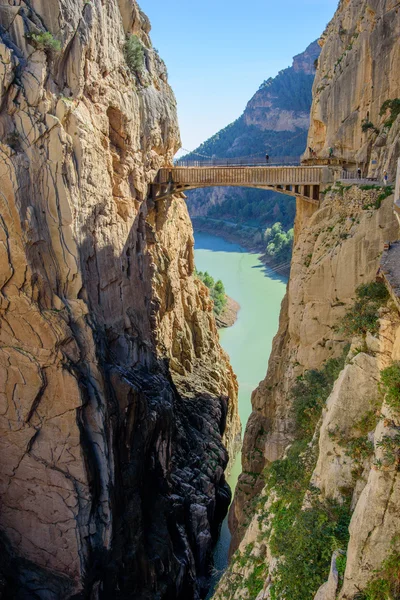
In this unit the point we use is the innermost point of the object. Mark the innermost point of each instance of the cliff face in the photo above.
(334, 467)
(357, 75)
(282, 102)
(114, 391)
(320, 478)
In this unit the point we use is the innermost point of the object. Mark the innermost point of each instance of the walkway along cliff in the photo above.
(316, 510)
(117, 404)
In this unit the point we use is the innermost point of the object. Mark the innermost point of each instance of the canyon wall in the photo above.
(357, 74)
(319, 483)
(117, 403)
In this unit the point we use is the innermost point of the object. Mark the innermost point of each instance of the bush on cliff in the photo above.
(134, 54)
(363, 315)
(390, 386)
(304, 537)
(310, 394)
(386, 583)
(45, 41)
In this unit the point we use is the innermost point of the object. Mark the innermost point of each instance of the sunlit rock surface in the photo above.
(114, 392)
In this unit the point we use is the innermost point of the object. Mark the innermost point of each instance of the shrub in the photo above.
(390, 386)
(394, 106)
(363, 315)
(134, 54)
(279, 243)
(217, 291)
(391, 451)
(45, 41)
(311, 392)
(307, 547)
(366, 125)
(386, 584)
(304, 538)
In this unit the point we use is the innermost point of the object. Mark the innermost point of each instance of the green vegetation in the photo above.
(390, 386)
(217, 291)
(279, 243)
(386, 583)
(341, 562)
(363, 315)
(366, 125)
(305, 538)
(310, 394)
(255, 207)
(394, 107)
(45, 41)
(385, 193)
(390, 446)
(302, 534)
(134, 54)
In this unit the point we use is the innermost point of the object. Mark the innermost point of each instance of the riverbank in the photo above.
(247, 236)
(229, 315)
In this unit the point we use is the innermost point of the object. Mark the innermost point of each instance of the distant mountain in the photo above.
(275, 120)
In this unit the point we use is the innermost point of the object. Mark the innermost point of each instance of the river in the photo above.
(259, 292)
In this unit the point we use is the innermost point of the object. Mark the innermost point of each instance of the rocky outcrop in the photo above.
(345, 470)
(356, 76)
(282, 103)
(338, 249)
(114, 392)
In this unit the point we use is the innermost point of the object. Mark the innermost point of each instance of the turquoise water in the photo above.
(259, 291)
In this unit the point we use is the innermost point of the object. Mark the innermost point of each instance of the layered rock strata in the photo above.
(114, 392)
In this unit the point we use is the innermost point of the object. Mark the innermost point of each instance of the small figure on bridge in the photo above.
(359, 173)
(385, 177)
(330, 152)
(311, 151)
(267, 158)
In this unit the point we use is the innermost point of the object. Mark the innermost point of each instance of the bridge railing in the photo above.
(240, 162)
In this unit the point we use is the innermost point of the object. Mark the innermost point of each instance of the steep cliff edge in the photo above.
(114, 392)
(315, 513)
(356, 84)
(303, 471)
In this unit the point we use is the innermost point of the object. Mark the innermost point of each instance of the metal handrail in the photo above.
(289, 161)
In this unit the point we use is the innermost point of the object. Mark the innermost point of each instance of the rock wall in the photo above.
(338, 249)
(357, 74)
(114, 391)
(338, 246)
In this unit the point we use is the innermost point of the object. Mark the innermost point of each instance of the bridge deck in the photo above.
(299, 181)
(238, 175)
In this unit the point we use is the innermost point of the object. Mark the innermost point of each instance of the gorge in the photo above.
(119, 414)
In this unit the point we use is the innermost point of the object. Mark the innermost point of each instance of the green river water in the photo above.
(259, 291)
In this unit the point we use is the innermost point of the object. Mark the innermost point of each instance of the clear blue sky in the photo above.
(218, 52)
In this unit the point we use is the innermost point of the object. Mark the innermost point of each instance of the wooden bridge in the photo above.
(306, 182)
